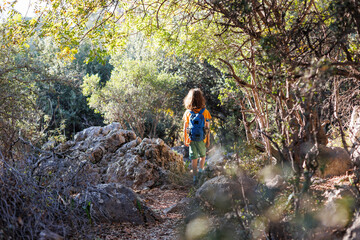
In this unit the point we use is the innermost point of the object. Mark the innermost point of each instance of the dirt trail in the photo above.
(158, 200)
(168, 229)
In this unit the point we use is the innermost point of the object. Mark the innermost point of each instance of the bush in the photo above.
(30, 206)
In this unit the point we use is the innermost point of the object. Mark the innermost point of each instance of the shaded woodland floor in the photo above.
(159, 200)
(171, 225)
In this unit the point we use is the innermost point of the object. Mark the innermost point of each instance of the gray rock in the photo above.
(111, 127)
(276, 182)
(113, 141)
(48, 145)
(116, 203)
(333, 161)
(126, 147)
(65, 146)
(90, 132)
(96, 153)
(183, 150)
(181, 206)
(46, 234)
(110, 154)
(220, 192)
(144, 164)
(353, 232)
(355, 156)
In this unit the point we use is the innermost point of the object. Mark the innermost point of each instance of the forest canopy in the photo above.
(285, 56)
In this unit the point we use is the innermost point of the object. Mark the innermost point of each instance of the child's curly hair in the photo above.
(194, 99)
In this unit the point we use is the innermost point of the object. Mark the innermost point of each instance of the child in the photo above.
(195, 104)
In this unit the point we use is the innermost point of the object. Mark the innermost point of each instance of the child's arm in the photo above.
(185, 134)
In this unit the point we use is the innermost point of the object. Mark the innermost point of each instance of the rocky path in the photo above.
(159, 200)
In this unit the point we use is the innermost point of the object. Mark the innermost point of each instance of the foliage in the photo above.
(285, 69)
(137, 94)
(43, 100)
(225, 127)
(19, 115)
(62, 100)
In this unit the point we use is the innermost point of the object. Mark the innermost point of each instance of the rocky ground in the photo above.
(142, 189)
(172, 225)
(159, 200)
(113, 185)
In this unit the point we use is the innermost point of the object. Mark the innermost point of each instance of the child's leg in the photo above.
(202, 163)
(194, 156)
(194, 166)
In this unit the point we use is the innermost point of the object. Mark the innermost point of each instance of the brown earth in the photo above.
(158, 200)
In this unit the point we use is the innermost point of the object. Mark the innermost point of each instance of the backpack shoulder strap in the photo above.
(202, 111)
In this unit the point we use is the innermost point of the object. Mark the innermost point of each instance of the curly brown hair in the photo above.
(194, 99)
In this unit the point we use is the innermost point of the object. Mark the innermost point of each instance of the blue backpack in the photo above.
(196, 126)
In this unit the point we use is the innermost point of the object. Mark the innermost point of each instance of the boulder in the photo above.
(333, 161)
(228, 227)
(145, 165)
(336, 213)
(276, 183)
(111, 154)
(273, 177)
(221, 192)
(116, 203)
(181, 206)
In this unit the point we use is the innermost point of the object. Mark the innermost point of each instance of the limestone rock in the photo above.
(221, 191)
(333, 161)
(111, 154)
(145, 164)
(116, 203)
(277, 182)
(355, 156)
(183, 150)
(178, 207)
(338, 204)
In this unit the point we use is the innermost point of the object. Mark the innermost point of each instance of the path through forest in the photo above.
(159, 200)
(171, 225)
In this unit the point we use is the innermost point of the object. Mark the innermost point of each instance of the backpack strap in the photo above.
(201, 111)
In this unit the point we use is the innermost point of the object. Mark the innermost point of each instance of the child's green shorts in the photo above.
(197, 149)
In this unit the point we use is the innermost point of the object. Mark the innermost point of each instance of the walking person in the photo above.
(196, 129)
